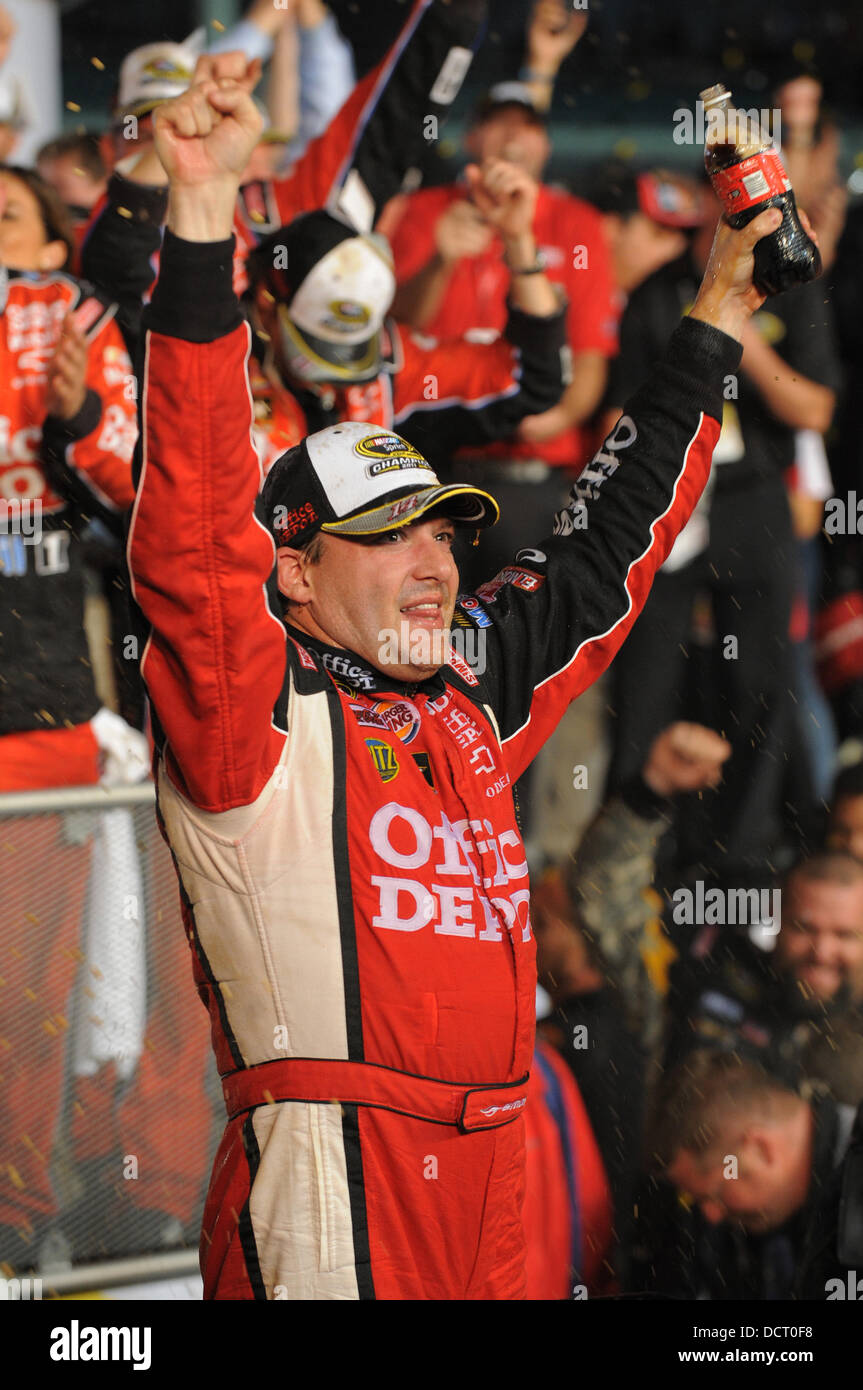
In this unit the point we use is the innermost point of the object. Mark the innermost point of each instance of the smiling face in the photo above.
(389, 598)
(821, 941)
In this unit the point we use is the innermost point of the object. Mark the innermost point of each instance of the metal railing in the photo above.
(110, 1108)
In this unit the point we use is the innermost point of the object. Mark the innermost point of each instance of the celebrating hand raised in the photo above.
(204, 139)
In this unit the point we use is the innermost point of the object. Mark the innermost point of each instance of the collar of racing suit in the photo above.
(354, 671)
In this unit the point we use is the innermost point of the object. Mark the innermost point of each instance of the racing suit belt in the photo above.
(333, 1082)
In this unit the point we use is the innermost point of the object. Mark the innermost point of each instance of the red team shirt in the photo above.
(568, 232)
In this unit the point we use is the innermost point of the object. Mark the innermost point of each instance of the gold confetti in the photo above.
(28, 1144)
(97, 63)
(257, 216)
(124, 212)
(28, 994)
(17, 1180)
(72, 106)
(217, 24)
(49, 1028)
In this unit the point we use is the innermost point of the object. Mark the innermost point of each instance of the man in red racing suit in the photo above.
(351, 869)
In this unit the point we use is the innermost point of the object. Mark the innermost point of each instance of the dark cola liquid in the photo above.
(786, 258)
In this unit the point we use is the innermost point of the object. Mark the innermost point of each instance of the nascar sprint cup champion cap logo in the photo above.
(359, 480)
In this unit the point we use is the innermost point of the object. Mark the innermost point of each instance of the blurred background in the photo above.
(637, 64)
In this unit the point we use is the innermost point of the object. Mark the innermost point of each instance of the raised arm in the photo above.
(562, 610)
(215, 656)
(385, 127)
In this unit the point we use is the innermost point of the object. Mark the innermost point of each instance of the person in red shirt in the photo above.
(453, 281)
(67, 430)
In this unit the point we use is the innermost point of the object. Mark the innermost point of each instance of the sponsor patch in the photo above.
(472, 606)
(399, 717)
(385, 761)
(358, 677)
(387, 446)
(306, 659)
(291, 523)
(461, 668)
(423, 762)
(393, 465)
(518, 578)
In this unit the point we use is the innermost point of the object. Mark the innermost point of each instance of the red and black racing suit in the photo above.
(360, 161)
(352, 874)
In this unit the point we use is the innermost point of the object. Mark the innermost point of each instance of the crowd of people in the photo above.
(698, 1066)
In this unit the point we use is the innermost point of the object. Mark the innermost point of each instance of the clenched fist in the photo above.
(204, 139)
(685, 758)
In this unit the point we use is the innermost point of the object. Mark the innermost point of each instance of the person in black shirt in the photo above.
(739, 547)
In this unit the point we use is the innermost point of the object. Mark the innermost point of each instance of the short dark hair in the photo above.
(827, 866)
(52, 209)
(849, 782)
(700, 1097)
(83, 145)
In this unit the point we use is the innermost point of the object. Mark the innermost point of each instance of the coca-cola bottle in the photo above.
(748, 177)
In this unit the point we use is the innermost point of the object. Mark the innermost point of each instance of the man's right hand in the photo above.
(204, 139)
(685, 758)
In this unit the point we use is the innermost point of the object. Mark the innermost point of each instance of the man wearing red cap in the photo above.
(338, 799)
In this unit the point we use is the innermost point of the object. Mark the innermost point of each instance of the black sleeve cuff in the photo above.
(194, 296)
(644, 802)
(533, 332)
(698, 344)
(57, 433)
(701, 357)
(144, 202)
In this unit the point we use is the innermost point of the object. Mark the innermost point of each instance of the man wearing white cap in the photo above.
(337, 799)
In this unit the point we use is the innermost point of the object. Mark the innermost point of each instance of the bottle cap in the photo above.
(712, 95)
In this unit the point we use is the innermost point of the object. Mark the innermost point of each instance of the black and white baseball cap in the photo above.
(333, 287)
(358, 479)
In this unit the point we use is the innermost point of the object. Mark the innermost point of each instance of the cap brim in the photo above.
(342, 359)
(470, 507)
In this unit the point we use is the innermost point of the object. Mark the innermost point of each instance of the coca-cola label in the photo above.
(753, 180)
